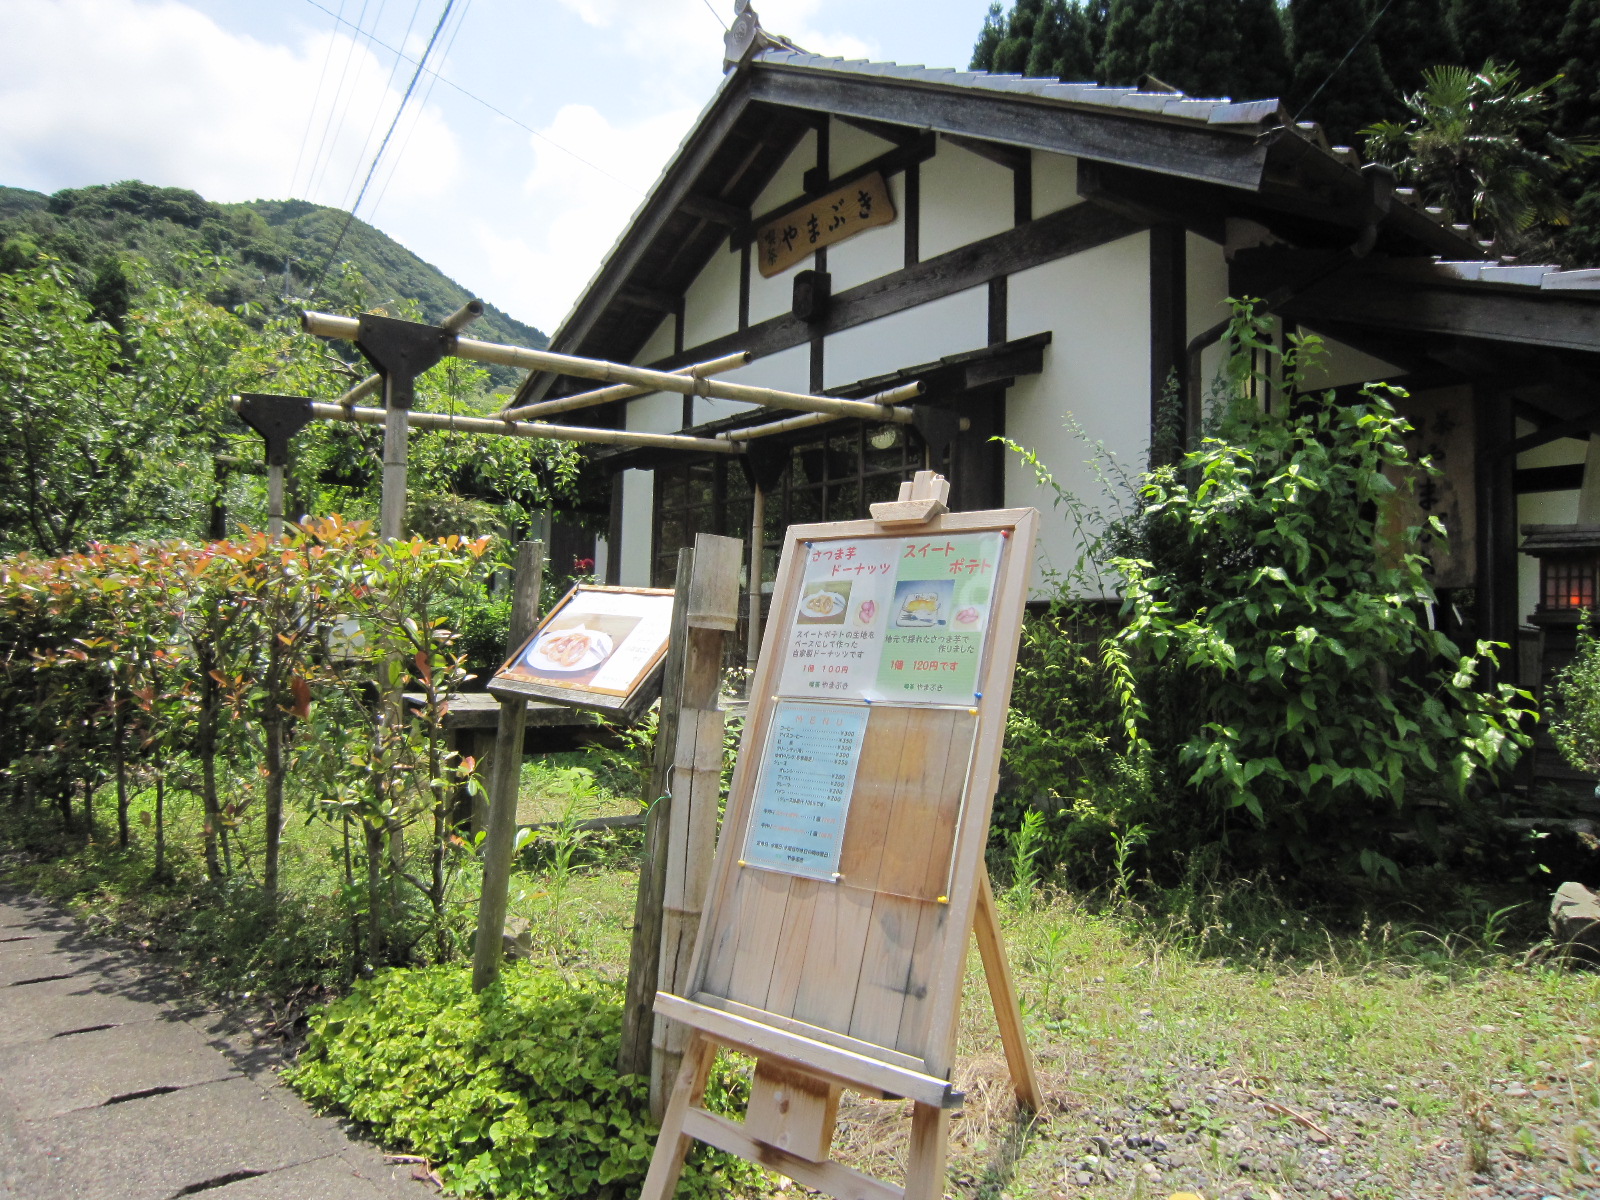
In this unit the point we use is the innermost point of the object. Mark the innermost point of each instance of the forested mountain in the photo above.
(276, 248)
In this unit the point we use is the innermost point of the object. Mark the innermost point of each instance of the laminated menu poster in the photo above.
(887, 618)
(600, 640)
(808, 770)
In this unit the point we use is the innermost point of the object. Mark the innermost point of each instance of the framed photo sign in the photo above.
(600, 648)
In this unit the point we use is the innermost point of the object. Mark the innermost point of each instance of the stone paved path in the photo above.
(115, 1087)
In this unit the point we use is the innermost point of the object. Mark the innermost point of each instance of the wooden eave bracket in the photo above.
(921, 499)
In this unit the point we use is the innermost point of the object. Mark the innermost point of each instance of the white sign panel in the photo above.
(808, 770)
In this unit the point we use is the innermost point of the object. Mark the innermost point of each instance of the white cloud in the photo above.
(99, 90)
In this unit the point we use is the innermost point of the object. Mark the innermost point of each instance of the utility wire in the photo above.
(1354, 46)
(417, 110)
(716, 14)
(496, 111)
(311, 114)
(382, 146)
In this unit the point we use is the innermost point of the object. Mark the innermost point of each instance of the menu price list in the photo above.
(808, 771)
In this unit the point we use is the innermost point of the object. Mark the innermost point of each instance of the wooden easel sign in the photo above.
(849, 872)
(599, 648)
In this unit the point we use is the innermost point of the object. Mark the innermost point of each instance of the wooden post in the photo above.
(680, 835)
(758, 521)
(1003, 995)
(644, 953)
(694, 789)
(274, 500)
(505, 773)
(392, 510)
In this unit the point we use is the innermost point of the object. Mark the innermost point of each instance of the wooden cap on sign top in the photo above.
(920, 500)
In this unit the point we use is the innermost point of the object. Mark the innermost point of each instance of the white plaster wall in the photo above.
(1055, 182)
(1342, 364)
(711, 304)
(659, 345)
(964, 198)
(788, 370)
(772, 297)
(659, 412)
(1096, 373)
(948, 325)
(869, 254)
(849, 147)
(638, 494)
(788, 181)
(1206, 299)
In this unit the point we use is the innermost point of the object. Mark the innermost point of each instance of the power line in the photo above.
(311, 113)
(716, 14)
(496, 111)
(417, 110)
(377, 109)
(382, 146)
(319, 165)
(1354, 46)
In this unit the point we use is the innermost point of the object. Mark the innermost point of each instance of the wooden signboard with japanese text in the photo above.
(803, 230)
(849, 869)
(599, 648)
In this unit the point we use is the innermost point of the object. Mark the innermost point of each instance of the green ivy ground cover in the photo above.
(510, 1094)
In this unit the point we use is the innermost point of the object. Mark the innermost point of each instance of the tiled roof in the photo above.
(1545, 277)
(1250, 113)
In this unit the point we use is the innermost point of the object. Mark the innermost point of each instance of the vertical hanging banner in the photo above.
(885, 618)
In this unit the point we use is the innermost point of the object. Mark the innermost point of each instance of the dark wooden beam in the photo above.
(895, 135)
(648, 298)
(1496, 497)
(1069, 231)
(1177, 148)
(1169, 338)
(1012, 158)
(1565, 478)
(1368, 294)
(718, 212)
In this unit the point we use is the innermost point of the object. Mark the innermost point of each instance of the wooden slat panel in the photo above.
(932, 928)
(719, 943)
(885, 967)
(815, 1032)
(758, 939)
(797, 921)
(828, 1061)
(833, 953)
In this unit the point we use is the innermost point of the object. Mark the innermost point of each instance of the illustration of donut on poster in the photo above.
(900, 619)
(597, 640)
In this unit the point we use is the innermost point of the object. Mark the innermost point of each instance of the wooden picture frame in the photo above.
(599, 648)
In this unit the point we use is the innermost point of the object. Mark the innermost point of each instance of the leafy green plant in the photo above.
(512, 1093)
(1574, 705)
(1286, 669)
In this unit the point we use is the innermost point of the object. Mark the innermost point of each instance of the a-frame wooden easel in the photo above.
(849, 873)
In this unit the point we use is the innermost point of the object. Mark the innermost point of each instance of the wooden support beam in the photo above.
(650, 299)
(718, 212)
(505, 784)
(1013, 158)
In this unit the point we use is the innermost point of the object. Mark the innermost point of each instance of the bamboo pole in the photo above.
(789, 424)
(528, 429)
(622, 391)
(500, 836)
(881, 407)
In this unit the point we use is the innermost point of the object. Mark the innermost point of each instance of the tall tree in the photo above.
(1486, 29)
(1578, 116)
(1411, 36)
(1043, 39)
(1125, 56)
(1195, 45)
(989, 39)
(1537, 50)
(1339, 79)
(1263, 69)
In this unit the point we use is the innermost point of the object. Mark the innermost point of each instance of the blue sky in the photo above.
(241, 99)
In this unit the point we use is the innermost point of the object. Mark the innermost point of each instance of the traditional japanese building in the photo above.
(1045, 257)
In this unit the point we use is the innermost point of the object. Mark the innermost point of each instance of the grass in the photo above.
(1276, 1057)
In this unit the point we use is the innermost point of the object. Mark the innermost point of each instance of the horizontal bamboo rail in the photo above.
(454, 323)
(526, 429)
(881, 407)
(621, 391)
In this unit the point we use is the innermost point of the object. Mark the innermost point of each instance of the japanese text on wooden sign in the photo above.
(802, 231)
(883, 618)
(808, 770)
